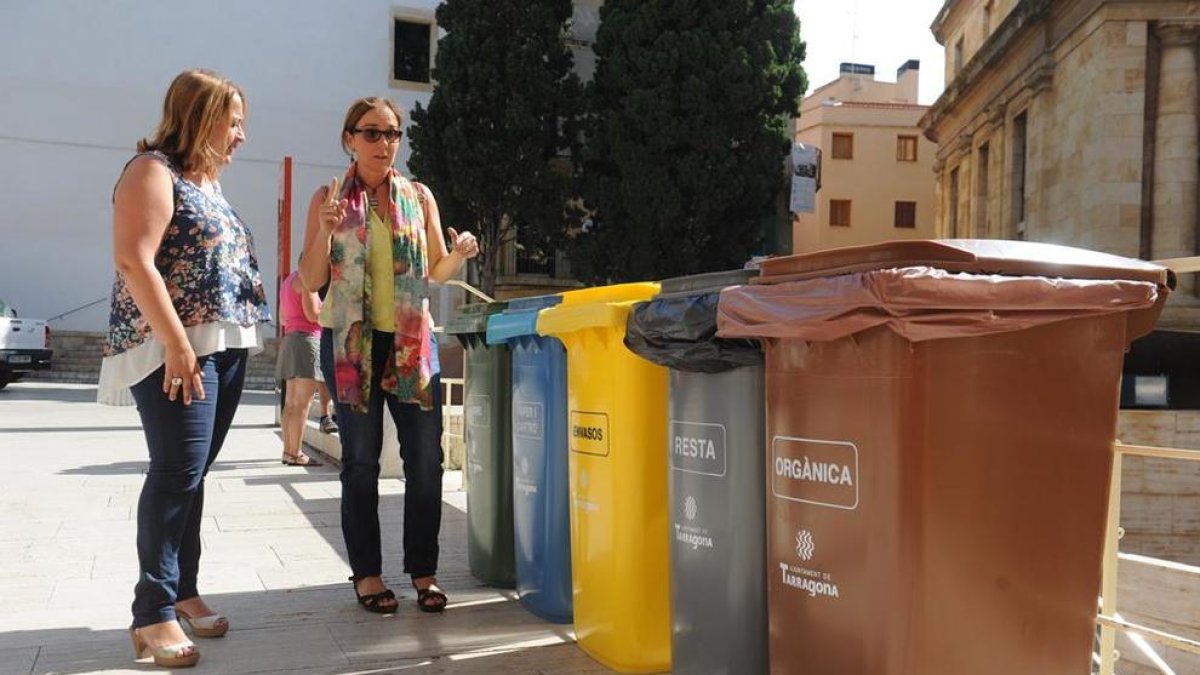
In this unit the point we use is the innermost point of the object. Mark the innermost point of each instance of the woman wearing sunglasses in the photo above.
(375, 240)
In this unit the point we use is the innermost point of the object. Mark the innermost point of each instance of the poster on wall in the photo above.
(806, 177)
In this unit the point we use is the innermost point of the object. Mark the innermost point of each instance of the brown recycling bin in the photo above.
(940, 417)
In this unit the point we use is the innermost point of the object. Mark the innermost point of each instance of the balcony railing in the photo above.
(518, 261)
(528, 264)
(1109, 618)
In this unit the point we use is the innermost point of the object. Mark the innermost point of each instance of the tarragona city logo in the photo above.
(689, 507)
(805, 546)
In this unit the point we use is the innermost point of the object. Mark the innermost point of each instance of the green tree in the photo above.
(495, 142)
(687, 133)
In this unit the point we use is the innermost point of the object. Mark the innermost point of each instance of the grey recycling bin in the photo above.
(717, 526)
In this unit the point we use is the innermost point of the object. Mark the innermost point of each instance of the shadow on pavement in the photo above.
(45, 391)
(74, 393)
(321, 630)
(76, 430)
(305, 620)
(124, 468)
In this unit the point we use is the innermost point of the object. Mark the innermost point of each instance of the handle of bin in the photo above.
(1181, 265)
(502, 327)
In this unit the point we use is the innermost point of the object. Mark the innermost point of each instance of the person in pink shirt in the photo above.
(299, 367)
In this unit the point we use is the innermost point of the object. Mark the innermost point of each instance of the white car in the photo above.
(24, 345)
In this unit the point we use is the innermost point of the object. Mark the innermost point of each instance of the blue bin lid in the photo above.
(519, 319)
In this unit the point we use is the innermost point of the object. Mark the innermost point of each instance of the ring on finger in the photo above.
(176, 382)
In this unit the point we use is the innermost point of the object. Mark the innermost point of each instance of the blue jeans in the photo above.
(183, 442)
(420, 436)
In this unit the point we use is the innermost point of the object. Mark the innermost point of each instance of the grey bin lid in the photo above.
(473, 318)
(706, 283)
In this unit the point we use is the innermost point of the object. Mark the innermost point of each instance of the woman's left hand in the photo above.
(465, 244)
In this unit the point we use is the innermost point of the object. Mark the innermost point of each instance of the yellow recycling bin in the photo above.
(617, 413)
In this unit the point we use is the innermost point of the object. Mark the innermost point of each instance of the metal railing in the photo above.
(535, 264)
(80, 308)
(448, 385)
(452, 432)
(1109, 619)
(469, 288)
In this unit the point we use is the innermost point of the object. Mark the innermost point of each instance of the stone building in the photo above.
(1072, 122)
(1075, 122)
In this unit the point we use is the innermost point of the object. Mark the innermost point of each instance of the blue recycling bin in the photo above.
(541, 512)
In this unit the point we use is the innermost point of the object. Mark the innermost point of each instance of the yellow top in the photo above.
(380, 269)
(379, 265)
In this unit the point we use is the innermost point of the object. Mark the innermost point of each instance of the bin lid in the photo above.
(979, 256)
(926, 290)
(712, 281)
(600, 307)
(615, 293)
(473, 318)
(533, 303)
(519, 319)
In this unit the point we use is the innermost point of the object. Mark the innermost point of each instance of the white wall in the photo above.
(82, 80)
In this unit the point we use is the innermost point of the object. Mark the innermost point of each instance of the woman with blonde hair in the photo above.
(186, 307)
(376, 240)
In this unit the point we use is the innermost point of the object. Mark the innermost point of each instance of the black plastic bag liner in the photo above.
(678, 328)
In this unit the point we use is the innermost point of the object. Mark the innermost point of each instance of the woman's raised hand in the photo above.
(333, 210)
(464, 244)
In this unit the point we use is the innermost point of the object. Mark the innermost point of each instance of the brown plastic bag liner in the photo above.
(920, 303)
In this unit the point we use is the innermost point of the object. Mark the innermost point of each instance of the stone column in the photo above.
(1176, 151)
(939, 197)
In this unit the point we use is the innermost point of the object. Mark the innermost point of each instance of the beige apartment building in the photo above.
(1072, 122)
(877, 179)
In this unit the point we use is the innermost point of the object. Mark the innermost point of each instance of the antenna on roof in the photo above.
(854, 31)
(854, 39)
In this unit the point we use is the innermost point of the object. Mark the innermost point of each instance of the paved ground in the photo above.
(70, 472)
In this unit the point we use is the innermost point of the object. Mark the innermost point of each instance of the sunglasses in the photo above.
(373, 135)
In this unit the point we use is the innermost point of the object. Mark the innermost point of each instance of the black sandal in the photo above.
(374, 602)
(430, 592)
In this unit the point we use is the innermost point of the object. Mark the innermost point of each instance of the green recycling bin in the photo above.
(487, 406)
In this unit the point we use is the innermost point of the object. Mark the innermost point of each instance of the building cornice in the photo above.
(1178, 33)
(881, 105)
(1040, 75)
(939, 21)
(1019, 22)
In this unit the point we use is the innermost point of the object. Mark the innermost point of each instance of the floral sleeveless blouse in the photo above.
(206, 259)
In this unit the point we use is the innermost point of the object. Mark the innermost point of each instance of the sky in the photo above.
(882, 33)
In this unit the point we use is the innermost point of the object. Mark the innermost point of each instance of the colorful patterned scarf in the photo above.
(408, 372)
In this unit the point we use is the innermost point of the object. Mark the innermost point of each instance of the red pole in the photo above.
(284, 235)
